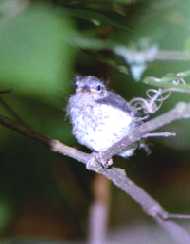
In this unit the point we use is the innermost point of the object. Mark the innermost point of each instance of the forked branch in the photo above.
(116, 175)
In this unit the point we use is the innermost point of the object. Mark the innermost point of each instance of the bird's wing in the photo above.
(116, 101)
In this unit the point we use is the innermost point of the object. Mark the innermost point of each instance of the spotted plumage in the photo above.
(99, 117)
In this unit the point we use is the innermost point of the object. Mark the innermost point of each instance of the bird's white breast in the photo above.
(97, 126)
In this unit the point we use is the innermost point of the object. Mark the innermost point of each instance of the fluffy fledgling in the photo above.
(99, 117)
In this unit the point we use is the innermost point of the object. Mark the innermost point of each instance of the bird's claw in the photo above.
(97, 161)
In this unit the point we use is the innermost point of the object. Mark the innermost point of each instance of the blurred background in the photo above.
(43, 45)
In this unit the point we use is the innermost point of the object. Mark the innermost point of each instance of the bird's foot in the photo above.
(98, 162)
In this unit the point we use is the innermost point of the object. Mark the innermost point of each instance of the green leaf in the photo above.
(5, 213)
(122, 1)
(35, 55)
(171, 81)
(100, 17)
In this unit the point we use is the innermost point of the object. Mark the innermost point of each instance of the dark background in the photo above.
(43, 44)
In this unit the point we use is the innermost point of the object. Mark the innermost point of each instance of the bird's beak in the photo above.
(84, 89)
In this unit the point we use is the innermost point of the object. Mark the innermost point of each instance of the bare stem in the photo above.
(180, 111)
(118, 176)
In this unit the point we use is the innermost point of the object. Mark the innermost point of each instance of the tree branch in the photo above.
(180, 111)
(118, 176)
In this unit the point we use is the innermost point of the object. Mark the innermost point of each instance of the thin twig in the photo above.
(118, 176)
(5, 121)
(180, 111)
(9, 110)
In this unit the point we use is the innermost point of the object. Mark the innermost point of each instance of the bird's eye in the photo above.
(99, 88)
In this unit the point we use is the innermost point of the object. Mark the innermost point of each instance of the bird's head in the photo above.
(90, 85)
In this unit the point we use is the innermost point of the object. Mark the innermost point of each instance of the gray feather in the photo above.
(116, 101)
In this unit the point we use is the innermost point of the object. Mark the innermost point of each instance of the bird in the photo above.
(99, 116)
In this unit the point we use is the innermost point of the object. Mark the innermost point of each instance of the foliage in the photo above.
(135, 45)
(35, 57)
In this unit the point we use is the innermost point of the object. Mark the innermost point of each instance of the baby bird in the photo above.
(99, 117)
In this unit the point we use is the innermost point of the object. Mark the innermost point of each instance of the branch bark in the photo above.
(116, 175)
